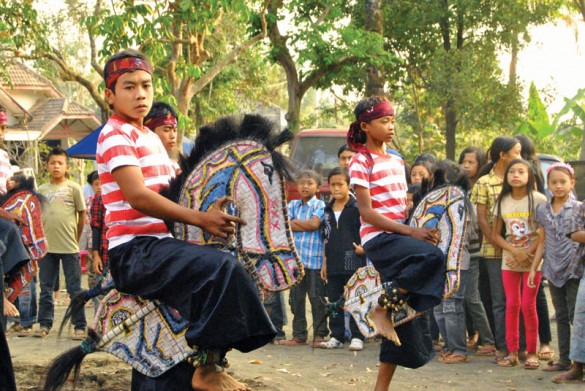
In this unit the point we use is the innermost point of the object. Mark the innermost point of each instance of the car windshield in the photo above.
(317, 153)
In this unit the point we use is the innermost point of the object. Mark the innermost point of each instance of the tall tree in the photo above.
(373, 22)
(174, 34)
(450, 49)
(316, 44)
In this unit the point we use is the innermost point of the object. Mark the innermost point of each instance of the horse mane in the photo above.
(228, 129)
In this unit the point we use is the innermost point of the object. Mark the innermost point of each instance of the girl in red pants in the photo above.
(521, 242)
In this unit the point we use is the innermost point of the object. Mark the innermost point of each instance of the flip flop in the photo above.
(557, 367)
(453, 359)
(293, 342)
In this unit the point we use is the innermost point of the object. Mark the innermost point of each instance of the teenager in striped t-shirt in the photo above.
(209, 288)
(404, 256)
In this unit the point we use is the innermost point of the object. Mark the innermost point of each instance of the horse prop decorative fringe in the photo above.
(26, 204)
(234, 158)
(443, 208)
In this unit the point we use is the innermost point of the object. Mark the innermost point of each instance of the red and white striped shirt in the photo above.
(121, 144)
(387, 183)
(5, 170)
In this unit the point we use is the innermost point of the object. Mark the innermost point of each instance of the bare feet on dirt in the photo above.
(10, 310)
(206, 378)
(381, 319)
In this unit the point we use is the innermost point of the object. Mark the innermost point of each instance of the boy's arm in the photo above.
(371, 216)
(141, 198)
(306, 225)
(80, 223)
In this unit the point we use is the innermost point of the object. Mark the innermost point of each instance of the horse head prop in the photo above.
(234, 157)
(239, 160)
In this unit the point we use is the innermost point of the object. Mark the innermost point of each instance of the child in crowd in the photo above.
(344, 154)
(484, 195)
(421, 170)
(405, 257)
(162, 120)
(99, 232)
(450, 314)
(521, 248)
(577, 353)
(208, 287)
(561, 267)
(343, 254)
(306, 215)
(63, 221)
(472, 159)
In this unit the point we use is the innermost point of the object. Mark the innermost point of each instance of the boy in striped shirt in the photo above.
(208, 287)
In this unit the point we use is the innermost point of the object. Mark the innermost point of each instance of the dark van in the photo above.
(316, 149)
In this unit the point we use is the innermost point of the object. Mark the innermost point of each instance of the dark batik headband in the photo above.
(356, 138)
(161, 120)
(117, 68)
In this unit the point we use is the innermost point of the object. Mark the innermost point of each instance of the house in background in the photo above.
(37, 111)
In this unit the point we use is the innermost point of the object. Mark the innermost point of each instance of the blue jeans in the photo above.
(26, 302)
(498, 296)
(578, 332)
(475, 306)
(450, 316)
(48, 276)
(313, 286)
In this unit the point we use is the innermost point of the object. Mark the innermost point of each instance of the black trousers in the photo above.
(418, 267)
(7, 382)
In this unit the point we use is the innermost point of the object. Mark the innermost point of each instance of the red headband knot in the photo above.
(117, 68)
(161, 120)
(355, 137)
(3, 118)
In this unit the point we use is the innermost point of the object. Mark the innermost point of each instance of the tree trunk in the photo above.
(374, 75)
(451, 127)
(582, 155)
(513, 62)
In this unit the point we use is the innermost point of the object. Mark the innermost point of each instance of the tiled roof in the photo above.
(21, 75)
(48, 109)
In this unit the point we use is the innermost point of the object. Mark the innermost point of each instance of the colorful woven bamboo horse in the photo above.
(233, 158)
(26, 204)
(443, 208)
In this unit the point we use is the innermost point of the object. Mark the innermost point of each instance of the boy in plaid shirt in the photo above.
(305, 215)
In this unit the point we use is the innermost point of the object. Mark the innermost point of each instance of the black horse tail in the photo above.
(331, 310)
(80, 299)
(61, 367)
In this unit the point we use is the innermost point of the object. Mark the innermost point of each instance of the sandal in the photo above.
(557, 367)
(42, 332)
(531, 363)
(453, 359)
(508, 362)
(486, 350)
(25, 332)
(15, 328)
(78, 335)
(546, 356)
(293, 342)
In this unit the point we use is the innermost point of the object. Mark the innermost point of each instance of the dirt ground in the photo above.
(282, 368)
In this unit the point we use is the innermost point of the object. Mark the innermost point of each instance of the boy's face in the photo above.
(345, 158)
(57, 166)
(339, 186)
(168, 136)
(307, 187)
(132, 96)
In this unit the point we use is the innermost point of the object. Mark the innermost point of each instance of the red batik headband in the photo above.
(3, 118)
(161, 120)
(117, 68)
(356, 137)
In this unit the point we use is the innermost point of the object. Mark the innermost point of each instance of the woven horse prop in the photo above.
(443, 208)
(26, 204)
(233, 158)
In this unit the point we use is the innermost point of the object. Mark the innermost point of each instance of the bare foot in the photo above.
(10, 310)
(207, 379)
(381, 319)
